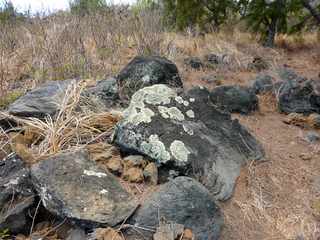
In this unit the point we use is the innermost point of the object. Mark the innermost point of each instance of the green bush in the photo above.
(85, 7)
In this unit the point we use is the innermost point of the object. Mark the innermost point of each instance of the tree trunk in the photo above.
(312, 10)
(271, 33)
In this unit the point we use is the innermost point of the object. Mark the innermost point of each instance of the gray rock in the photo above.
(147, 71)
(71, 186)
(193, 62)
(312, 137)
(298, 96)
(106, 91)
(188, 134)
(182, 201)
(262, 84)
(235, 99)
(42, 101)
(16, 194)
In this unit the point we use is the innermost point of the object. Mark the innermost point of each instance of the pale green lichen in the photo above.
(181, 101)
(138, 113)
(155, 149)
(172, 113)
(179, 151)
(187, 129)
(190, 114)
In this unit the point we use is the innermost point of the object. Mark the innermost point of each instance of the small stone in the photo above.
(134, 161)
(134, 175)
(305, 156)
(193, 62)
(314, 120)
(151, 173)
(312, 137)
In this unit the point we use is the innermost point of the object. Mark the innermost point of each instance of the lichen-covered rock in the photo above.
(235, 99)
(188, 134)
(74, 187)
(147, 71)
(42, 101)
(16, 194)
(182, 201)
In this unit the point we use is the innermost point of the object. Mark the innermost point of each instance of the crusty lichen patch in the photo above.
(190, 114)
(171, 113)
(187, 129)
(155, 149)
(138, 112)
(179, 151)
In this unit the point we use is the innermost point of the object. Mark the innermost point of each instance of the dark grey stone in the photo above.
(187, 133)
(296, 96)
(193, 62)
(312, 137)
(262, 84)
(147, 71)
(42, 101)
(71, 186)
(235, 99)
(183, 201)
(16, 194)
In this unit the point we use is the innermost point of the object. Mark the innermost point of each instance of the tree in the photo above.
(217, 11)
(7, 12)
(188, 13)
(269, 17)
(85, 7)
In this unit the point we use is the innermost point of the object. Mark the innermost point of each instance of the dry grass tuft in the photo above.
(69, 128)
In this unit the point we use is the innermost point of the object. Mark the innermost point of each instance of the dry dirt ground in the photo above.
(279, 197)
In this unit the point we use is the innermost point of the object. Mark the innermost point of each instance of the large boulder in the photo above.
(16, 194)
(188, 134)
(71, 186)
(298, 95)
(42, 101)
(235, 99)
(183, 201)
(147, 71)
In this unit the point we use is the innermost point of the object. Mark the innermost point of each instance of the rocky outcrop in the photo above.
(188, 134)
(147, 71)
(235, 99)
(71, 186)
(182, 201)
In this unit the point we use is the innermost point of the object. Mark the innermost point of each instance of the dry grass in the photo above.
(69, 128)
